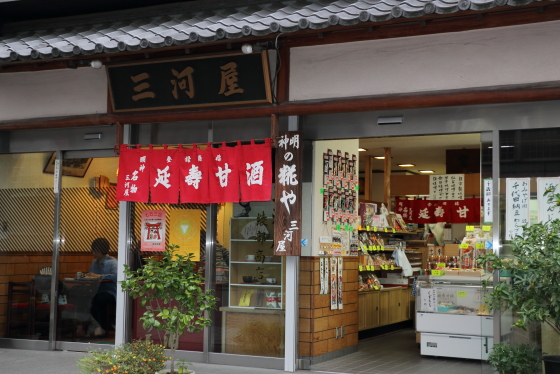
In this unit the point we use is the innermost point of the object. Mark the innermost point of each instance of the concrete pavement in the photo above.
(18, 361)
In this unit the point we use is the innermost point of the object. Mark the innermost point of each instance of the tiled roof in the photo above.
(112, 32)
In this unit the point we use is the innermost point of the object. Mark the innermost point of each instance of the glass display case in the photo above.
(452, 317)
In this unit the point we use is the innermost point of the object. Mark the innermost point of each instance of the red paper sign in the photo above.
(442, 210)
(134, 174)
(153, 230)
(164, 176)
(223, 174)
(255, 171)
(194, 175)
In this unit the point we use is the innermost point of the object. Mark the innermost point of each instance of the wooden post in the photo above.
(367, 179)
(274, 128)
(387, 178)
(119, 137)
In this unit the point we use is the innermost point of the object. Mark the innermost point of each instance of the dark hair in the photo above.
(100, 245)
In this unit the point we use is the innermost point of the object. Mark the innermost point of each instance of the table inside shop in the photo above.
(80, 292)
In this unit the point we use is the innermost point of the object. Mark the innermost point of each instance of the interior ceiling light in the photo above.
(380, 157)
(390, 120)
(362, 149)
(406, 165)
(425, 171)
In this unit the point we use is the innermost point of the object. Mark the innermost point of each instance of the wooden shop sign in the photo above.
(287, 218)
(230, 79)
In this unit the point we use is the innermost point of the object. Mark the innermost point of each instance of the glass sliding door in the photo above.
(26, 237)
(89, 230)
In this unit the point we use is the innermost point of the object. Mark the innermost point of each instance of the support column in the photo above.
(368, 178)
(387, 178)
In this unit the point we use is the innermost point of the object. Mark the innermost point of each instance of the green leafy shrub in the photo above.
(517, 359)
(172, 291)
(137, 357)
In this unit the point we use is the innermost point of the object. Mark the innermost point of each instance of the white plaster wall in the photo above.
(52, 93)
(489, 57)
(318, 226)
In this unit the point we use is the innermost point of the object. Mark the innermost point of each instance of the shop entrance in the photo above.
(408, 230)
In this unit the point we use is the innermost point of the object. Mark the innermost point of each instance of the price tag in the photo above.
(338, 227)
(371, 267)
(381, 248)
(470, 228)
(479, 245)
(376, 288)
(385, 229)
(486, 228)
(392, 267)
(367, 228)
(394, 231)
(461, 293)
(375, 228)
(360, 268)
(441, 265)
(464, 246)
(322, 190)
(346, 227)
(370, 247)
(359, 227)
(436, 272)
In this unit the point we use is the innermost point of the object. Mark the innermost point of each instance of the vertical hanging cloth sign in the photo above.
(442, 210)
(164, 176)
(517, 206)
(547, 211)
(153, 230)
(488, 211)
(194, 175)
(223, 174)
(255, 171)
(334, 283)
(288, 174)
(133, 182)
(425, 211)
(340, 283)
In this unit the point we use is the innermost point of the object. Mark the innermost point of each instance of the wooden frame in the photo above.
(76, 167)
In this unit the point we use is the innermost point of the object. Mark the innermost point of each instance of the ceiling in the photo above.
(426, 152)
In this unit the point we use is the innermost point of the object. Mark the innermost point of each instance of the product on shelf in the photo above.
(368, 282)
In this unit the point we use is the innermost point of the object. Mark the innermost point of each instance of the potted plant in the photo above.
(139, 357)
(172, 291)
(533, 291)
(518, 359)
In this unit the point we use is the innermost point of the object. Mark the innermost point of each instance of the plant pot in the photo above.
(551, 364)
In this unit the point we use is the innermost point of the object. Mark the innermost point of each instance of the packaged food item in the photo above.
(271, 299)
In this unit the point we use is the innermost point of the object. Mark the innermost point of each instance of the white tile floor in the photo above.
(398, 353)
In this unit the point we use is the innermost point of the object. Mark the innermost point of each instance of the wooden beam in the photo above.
(367, 179)
(387, 178)
(466, 96)
(119, 138)
(283, 78)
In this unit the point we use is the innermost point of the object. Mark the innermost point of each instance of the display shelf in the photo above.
(243, 243)
(389, 231)
(377, 267)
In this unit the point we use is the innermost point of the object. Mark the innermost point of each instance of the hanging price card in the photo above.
(461, 293)
(394, 231)
(470, 228)
(359, 227)
(479, 245)
(486, 228)
(441, 265)
(464, 246)
(375, 228)
(392, 267)
(367, 228)
(436, 272)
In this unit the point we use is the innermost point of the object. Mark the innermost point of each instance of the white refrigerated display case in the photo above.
(452, 317)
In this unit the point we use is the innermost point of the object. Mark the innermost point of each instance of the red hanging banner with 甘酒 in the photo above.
(194, 175)
(164, 176)
(133, 181)
(255, 171)
(214, 175)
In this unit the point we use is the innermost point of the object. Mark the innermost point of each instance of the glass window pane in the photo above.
(26, 233)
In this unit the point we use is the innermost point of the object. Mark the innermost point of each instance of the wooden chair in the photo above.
(21, 309)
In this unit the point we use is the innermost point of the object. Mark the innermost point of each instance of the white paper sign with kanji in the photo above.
(447, 187)
(517, 205)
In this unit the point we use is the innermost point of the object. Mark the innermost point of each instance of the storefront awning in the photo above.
(181, 24)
